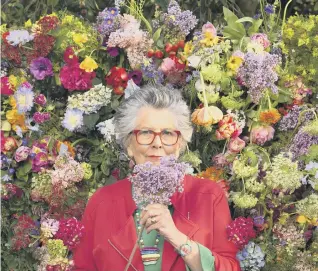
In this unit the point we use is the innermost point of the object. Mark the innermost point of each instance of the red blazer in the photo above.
(201, 212)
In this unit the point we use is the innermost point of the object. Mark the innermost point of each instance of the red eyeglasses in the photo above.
(167, 137)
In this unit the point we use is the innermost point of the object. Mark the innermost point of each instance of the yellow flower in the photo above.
(67, 19)
(209, 40)
(289, 33)
(16, 119)
(5, 126)
(79, 39)
(301, 219)
(188, 48)
(28, 23)
(13, 81)
(3, 28)
(303, 41)
(206, 116)
(234, 63)
(88, 64)
(13, 102)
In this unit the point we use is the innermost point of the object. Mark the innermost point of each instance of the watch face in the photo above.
(185, 249)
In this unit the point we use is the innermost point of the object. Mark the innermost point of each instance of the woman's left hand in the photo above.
(158, 217)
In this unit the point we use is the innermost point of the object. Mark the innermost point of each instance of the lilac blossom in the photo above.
(290, 121)
(157, 183)
(258, 73)
(301, 143)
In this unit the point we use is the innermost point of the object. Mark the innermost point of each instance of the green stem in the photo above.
(204, 93)
(284, 17)
(269, 100)
(82, 140)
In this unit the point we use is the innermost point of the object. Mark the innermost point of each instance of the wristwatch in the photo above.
(185, 249)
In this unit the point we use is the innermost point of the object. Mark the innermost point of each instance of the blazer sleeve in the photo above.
(83, 253)
(223, 250)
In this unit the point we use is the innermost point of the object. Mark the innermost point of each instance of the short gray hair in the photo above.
(158, 97)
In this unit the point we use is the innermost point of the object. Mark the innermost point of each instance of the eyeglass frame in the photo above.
(135, 132)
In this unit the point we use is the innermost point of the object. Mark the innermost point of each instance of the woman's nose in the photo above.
(157, 142)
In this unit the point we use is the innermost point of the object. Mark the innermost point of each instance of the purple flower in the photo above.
(112, 51)
(41, 67)
(113, 11)
(136, 76)
(290, 121)
(301, 143)
(157, 183)
(38, 117)
(40, 100)
(269, 9)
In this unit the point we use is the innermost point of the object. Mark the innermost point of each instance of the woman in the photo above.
(152, 123)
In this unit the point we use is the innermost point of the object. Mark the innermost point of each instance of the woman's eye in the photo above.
(145, 132)
(166, 132)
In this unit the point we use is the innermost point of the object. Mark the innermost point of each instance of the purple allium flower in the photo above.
(41, 67)
(269, 9)
(113, 51)
(258, 73)
(136, 76)
(40, 100)
(157, 183)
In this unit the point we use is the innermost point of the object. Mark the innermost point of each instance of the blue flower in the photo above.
(113, 11)
(251, 257)
(73, 119)
(24, 98)
(269, 9)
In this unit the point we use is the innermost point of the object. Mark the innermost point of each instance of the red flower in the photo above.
(70, 231)
(69, 56)
(118, 79)
(74, 78)
(22, 229)
(6, 88)
(48, 23)
(240, 231)
(43, 44)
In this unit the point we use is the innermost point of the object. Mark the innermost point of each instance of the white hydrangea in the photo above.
(90, 101)
(107, 129)
(17, 37)
(238, 116)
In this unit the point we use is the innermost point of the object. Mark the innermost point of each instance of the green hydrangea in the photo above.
(232, 103)
(244, 201)
(308, 206)
(56, 248)
(284, 174)
(41, 185)
(192, 158)
(242, 170)
(88, 172)
(254, 186)
(212, 73)
(211, 97)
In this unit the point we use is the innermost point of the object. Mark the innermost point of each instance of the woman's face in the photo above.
(157, 120)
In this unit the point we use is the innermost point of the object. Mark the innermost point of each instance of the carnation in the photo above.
(90, 101)
(157, 183)
(283, 174)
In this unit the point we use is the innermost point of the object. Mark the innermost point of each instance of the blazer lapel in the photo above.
(183, 224)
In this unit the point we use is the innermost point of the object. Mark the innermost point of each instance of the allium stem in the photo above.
(203, 88)
(132, 254)
(284, 17)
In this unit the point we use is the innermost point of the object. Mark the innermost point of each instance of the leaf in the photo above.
(234, 33)
(229, 16)
(90, 120)
(254, 28)
(25, 168)
(245, 19)
(105, 167)
(156, 35)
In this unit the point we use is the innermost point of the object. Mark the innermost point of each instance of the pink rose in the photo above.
(22, 153)
(262, 134)
(167, 65)
(262, 39)
(40, 100)
(236, 145)
(208, 27)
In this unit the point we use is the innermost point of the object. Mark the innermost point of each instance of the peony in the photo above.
(167, 65)
(22, 153)
(228, 128)
(262, 134)
(236, 145)
(262, 39)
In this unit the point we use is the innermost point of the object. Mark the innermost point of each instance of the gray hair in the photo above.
(158, 97)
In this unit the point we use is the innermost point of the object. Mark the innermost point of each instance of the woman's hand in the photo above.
(157, 217)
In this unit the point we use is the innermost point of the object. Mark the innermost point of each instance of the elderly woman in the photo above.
(152, 123)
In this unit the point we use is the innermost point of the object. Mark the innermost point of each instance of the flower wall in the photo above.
(251, 85)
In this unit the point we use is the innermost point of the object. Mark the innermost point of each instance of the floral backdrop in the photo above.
(250, 82)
